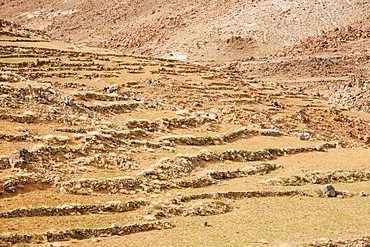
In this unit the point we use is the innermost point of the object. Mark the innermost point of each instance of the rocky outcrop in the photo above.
(332, 39)
(353, 94)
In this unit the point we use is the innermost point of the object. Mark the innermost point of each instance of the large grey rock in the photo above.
(328, 190)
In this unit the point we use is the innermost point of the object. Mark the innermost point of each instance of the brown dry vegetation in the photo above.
(85, 126)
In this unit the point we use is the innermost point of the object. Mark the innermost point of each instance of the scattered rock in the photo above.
(213, 115)
(363, 193)
(304, 136)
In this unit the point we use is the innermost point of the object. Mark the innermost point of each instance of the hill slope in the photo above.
(93, 140)
(213, 28)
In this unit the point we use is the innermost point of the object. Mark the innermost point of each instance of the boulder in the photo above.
(328, 190)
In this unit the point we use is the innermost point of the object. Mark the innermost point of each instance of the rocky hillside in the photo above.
(100, 148)
(203, 29)
(334, 40)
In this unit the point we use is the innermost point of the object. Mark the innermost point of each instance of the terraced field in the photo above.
(101, 148)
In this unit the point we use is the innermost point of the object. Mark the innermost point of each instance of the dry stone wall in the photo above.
(83, 233)
(261, 169)
(183, 164)
(322, 178)
(201, 209)
(168, 123)
(88, 186)
(239, 195)
(73, 209)
(354, 242)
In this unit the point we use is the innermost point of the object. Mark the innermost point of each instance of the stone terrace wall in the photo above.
(243, 194)
(86, 186)
(355, 242)
(183, 164)
(261, 169)
(73, 209)
(82, 233)
(322, 178)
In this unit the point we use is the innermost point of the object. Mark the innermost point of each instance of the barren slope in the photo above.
(202, 29)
